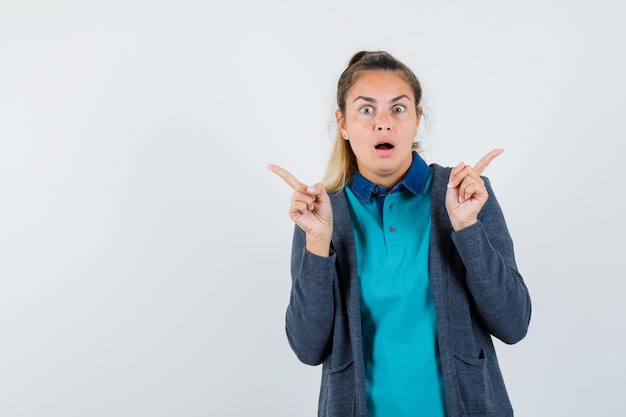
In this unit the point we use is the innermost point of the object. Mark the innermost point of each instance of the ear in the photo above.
(420, 111)
(341, 124)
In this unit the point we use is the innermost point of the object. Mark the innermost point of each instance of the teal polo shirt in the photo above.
(399, 332)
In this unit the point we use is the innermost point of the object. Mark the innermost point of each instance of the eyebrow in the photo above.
(371, 100)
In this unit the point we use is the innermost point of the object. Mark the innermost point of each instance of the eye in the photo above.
(399, 109)
(366, 110)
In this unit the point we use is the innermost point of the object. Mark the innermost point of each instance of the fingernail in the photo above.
(449, 185)
(460, 199)
(311, 189)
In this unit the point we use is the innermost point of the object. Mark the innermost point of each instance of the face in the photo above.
(380, 122)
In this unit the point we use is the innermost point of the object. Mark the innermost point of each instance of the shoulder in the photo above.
(441, 177)
(338, 199)
(339, 202)
(438, 170)
(341, 214)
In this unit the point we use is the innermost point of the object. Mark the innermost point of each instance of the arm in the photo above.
(310, 314)
(498, 290)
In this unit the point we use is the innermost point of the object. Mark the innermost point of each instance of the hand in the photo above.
(311, 210)
(466, 193)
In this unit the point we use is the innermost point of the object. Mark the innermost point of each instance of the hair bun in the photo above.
(357, 57)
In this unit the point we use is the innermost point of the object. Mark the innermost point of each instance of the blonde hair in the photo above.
(342, 162)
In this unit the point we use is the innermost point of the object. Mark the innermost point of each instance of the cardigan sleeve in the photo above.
(309, 318)
(500, 295)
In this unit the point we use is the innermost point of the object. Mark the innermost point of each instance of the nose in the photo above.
(382, 122)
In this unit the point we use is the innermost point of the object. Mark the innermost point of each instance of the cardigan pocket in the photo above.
(340, 388)
(475, 385)
(341, 368)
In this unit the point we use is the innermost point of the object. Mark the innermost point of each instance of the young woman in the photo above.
(402, 272)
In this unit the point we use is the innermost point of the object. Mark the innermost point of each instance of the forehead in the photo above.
(380, 84)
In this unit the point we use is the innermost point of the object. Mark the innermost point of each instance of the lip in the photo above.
(383, 151)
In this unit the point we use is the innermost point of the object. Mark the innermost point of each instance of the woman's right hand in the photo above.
(310, 209)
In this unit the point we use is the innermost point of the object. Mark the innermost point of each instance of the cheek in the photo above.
(359, 126)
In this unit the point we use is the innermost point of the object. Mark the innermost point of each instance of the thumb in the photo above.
(317, 190)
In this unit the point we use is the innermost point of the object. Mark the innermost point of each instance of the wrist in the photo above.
(458, 226)
(319, 246)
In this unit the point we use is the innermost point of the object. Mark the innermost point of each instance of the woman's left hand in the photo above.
(466, 193)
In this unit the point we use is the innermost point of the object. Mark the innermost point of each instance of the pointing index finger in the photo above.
(486, 160)
(286, 176)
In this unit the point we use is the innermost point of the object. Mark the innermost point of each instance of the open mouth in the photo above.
(384, 146)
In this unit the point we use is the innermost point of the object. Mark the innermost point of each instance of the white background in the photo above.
(144, 247)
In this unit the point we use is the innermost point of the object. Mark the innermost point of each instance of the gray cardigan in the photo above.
(477, 289)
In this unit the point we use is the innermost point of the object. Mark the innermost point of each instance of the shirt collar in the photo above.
(414, 181)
